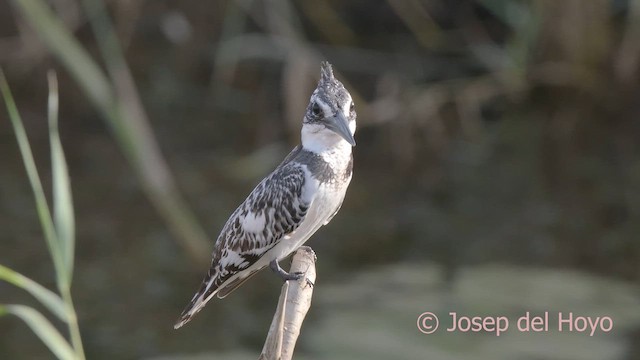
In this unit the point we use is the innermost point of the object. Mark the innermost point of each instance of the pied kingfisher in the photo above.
(303, 193)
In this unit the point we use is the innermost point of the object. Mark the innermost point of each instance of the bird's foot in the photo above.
(286, 276)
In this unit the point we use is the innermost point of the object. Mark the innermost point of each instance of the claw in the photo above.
(310, 283)
(285, 276)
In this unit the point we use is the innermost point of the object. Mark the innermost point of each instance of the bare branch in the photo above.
(295, 301)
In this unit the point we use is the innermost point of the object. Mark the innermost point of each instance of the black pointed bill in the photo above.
(340, 125)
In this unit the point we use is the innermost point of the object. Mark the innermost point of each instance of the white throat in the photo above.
(320, 140)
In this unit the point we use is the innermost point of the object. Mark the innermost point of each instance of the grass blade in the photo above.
(43, 328)
(48, 298)
(63, 215)
(44, 213)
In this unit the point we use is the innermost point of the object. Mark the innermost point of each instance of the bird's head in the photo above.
(330, 118)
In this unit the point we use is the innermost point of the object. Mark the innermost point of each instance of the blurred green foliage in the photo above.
(488, 131)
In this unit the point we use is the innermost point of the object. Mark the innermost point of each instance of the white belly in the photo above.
(325, 204)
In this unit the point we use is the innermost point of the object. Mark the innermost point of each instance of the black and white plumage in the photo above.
(303, 193)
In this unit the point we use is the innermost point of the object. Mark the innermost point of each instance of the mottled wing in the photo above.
(273, 210)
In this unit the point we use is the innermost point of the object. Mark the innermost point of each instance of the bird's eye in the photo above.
(316, 109)
(352, 107)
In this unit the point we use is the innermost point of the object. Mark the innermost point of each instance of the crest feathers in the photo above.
(326, 71)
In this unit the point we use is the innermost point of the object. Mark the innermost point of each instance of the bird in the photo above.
(289, 205)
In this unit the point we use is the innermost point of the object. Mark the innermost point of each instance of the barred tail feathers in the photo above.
(207, 290)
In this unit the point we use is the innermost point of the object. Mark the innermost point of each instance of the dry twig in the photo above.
(295, 301)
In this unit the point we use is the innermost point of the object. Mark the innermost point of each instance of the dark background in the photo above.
(490, 133)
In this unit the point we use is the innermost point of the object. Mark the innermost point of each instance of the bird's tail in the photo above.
(207, 290)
